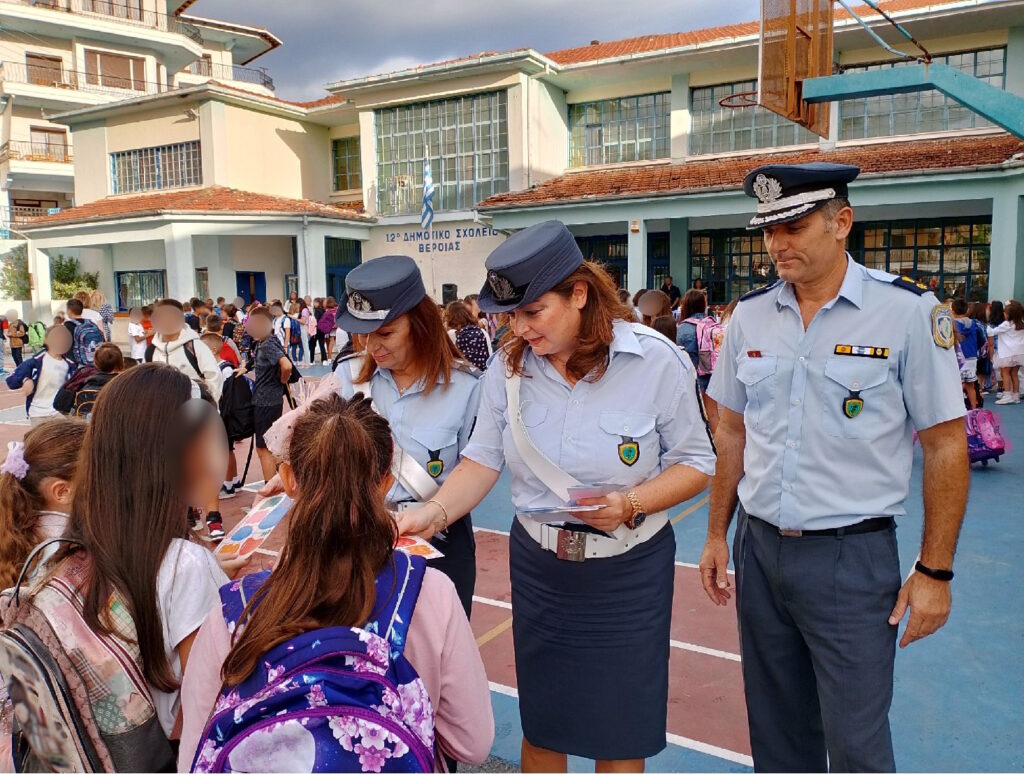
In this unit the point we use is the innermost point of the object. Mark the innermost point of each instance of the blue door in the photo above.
(251, 285)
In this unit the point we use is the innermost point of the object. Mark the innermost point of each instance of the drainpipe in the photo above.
(305, 256)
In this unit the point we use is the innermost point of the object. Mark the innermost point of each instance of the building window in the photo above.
(922, 111)
(612, 252)
(950, 255)
(466, 140)
(115, 71)
(716, 129)
(154, 169)
(616, 130)
(345, 152)
(730, 263)
(138, 288)
(44, 70)
(202, 283)
(47, 144)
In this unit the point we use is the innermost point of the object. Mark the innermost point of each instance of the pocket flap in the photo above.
(857, 373)
(434, 438)
(629, 424)
(533, 413)
(751, 370)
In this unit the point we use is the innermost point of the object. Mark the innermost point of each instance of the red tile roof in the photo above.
(648, 43)
(211, 199)
(891, 158)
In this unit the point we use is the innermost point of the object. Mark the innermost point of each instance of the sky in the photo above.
(329, 40)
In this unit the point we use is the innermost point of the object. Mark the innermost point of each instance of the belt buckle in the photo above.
(791, 532)
(572, 546)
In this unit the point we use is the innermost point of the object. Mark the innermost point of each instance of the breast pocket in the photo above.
(442, 448)
(630, 438)
(856, 396)
(758, 376)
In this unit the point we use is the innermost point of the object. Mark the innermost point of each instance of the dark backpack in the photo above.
(348, 693)
(236, 407)
(85, 399)
(64, 400)
(294, 333)
(190, 355)
(87, 337)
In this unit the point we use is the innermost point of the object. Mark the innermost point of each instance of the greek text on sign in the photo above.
(441, 240)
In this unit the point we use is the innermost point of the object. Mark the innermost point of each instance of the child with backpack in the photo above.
(175, 344)
(111, 625)
(271, 371)
(700, 335)
(42, 376)
(232, 483)
(17, 332)
(36, 334)
(108, 362)
(85, 334)
(365, 658)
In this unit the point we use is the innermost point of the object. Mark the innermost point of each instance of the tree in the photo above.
(14, 279)
(67, 277)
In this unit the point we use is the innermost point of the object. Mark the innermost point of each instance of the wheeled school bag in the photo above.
(334, 699)
(985, 439)
(77, 699)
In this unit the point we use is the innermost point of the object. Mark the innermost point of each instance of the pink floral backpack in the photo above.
(335, 699)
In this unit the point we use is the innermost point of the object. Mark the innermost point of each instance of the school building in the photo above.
(214, 187)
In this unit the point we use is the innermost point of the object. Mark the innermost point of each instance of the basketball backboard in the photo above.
(796, 44)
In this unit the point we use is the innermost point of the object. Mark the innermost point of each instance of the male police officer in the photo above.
(821, 380)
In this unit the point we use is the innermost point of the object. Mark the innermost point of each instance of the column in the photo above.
(181, 265)
(1006, 266)
(681, 120)
(312, 259)
(636, 258)
(39, 271)
(213, 143)
(1015, 61)
(679, 264)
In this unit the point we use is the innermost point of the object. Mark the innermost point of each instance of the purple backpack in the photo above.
(985, 440)
(334, 699)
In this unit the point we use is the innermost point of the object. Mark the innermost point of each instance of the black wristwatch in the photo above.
(939, 575)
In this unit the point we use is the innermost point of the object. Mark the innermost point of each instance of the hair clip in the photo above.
(15, 463)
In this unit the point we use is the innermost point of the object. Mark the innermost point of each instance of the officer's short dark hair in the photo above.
(832, 207)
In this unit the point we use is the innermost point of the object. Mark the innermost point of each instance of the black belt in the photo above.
(876, 524)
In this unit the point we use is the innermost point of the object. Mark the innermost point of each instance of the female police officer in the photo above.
(413, 372)
(582, 394)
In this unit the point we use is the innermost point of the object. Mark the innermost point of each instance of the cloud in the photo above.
(329, 40)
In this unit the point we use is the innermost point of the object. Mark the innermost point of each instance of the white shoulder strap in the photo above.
(409, 473)
(552, 476)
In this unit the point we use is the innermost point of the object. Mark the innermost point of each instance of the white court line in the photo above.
(492, 602)
(678, 741)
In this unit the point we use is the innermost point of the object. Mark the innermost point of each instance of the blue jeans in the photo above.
(295, 352)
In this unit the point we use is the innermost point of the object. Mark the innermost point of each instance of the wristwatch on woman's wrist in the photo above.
(639, 514)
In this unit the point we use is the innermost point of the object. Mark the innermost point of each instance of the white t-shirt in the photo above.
(187, 587)
(1010, 341)
(281, 325)
(93, 316)
(52, 375)
(138, 350)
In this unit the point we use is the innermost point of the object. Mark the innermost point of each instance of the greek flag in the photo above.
(427, 213)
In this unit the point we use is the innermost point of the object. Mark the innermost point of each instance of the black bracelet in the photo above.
(939, 575)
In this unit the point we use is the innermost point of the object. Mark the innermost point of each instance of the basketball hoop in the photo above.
(741, 99)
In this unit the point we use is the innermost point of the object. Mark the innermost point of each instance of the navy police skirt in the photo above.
(592, 647)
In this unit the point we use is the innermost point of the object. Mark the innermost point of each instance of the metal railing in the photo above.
(35, 151)
(57, 77)
(15, 215)
(120, 10)
(209, 69)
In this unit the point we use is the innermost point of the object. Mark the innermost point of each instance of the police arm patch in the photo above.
(942, 326)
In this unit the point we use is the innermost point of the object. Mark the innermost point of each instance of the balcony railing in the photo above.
(15, 215)
(59, 78)
(124, 11)
(35, 151)
(231, 73)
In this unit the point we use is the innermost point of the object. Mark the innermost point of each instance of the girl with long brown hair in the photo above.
(35, 490)
(581, 394)
(341, 537)
(130, 521)
(414, 373)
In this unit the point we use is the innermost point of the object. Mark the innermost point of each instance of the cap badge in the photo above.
(502, 288)
(767, 189)
(357, 302)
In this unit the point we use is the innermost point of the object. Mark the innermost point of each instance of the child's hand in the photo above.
(232, 565)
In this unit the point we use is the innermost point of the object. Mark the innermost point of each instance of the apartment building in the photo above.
(221, 187)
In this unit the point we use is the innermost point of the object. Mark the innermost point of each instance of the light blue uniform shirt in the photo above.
(423, 425)
(807, 465)
(647, 396)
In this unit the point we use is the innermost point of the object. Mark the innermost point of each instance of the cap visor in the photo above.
(351, 324)
(490, 305)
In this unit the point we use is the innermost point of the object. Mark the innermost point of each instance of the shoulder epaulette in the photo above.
(908, 284)
(759, 291)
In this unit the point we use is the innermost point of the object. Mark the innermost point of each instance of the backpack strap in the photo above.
(150, 349)
(398, 588)
(193, 360)
(32, 558)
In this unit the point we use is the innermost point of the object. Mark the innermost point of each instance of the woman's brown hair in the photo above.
(457, 315)
(126, 521)
(51, 451)
(433, 349)
(340, 534)
(603, 308)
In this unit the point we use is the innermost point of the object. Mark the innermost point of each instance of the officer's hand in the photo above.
(929, 601)
(714, 565)
(424, 521)
(616, 511)
(272, 487)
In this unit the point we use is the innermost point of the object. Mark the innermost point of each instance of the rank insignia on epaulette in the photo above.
(436, 465)
(942, 326)
(629, 451)
(856, 350)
